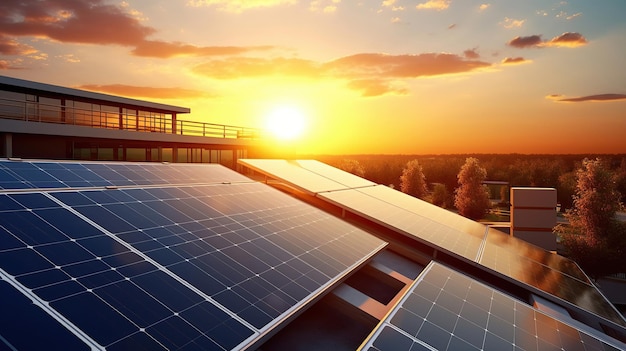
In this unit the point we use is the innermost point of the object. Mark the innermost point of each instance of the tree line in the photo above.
(552, 171)
(590, 191)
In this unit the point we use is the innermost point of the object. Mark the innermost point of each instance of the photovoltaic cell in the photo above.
(308, 175)
(551, 273)
(446, 310)
(413, 220)
(208, 266)
(23, 174)
(451, 232)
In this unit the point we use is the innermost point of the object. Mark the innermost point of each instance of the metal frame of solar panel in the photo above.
(496, 252)
(214, 265)
(446, 310)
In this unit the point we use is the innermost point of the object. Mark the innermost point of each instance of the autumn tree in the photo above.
(440, 195)
(472, 197)
(594, 238)
(352, 166)
(412, 180)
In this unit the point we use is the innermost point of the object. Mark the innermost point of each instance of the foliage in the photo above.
(596, 200)
(412, 180)
(472, 197)
(594, 238)
(440, 195)
(352, 166)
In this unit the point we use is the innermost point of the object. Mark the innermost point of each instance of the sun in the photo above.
(286, 123)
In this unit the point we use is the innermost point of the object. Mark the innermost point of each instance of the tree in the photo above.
(412, 180)
(594, 238)
(472, 197)
(440, 195)
(352, 166)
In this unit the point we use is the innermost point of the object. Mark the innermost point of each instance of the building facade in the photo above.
(46, 121)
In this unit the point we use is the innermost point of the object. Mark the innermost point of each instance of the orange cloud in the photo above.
(248, 67)
(597, 98)
(375, 87)
(10, 46)
(368, 73)
(93, 22)
(238, 6)
(145, 92)
(434, 5)
(471, 54)
(161, 49)
(568, 39)
(526, 42)
(514, 60)
(403, 66)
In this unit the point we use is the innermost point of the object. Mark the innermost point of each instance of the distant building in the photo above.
(46, 121)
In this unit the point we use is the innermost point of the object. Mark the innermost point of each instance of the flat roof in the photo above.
(89, 95)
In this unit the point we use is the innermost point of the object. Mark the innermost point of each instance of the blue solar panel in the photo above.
(21, 174)
(447, 310)
(210, 266)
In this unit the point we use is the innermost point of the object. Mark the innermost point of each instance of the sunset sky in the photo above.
(384, 77)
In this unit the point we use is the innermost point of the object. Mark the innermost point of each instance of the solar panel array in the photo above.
(155, 264)
(439, 228)
(446, 310)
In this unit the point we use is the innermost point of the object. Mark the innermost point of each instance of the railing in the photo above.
(111, 117)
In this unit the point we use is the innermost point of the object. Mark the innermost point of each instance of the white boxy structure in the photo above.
(533, 215)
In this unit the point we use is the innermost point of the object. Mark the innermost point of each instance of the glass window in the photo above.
(12, 105)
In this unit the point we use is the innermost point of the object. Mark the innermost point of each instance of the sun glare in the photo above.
(286, 123)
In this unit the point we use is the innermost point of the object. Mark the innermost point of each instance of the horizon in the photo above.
(432, 77)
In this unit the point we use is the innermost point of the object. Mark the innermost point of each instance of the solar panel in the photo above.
(307, 175)
(447, 310)
(208, 266)
(548, 272)
(462, 237)
(23, 174)
(414, 221)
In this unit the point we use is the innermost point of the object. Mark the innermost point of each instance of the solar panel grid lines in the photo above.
(14, 293)
(309, 176)
(410, 223)
(233, 249)
(446, 310)
(104, 286)
(50, 175)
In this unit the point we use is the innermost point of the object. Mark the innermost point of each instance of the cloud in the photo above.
(10, 46)
(596, 98)
(568, 39)
(434, 5)
(238, 6)
(514, 60)
(368, 73)
(326, 6)
(248, 67)
(403, 66)
(483, 7)
(161, 49)
(571, 17)
(471, 53)
(92, 22)
(510, 23)
(145, 92)
(375, 87)
(526, 42)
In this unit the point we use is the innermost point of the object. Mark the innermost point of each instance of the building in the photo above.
(45, 121)
(113, 255)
